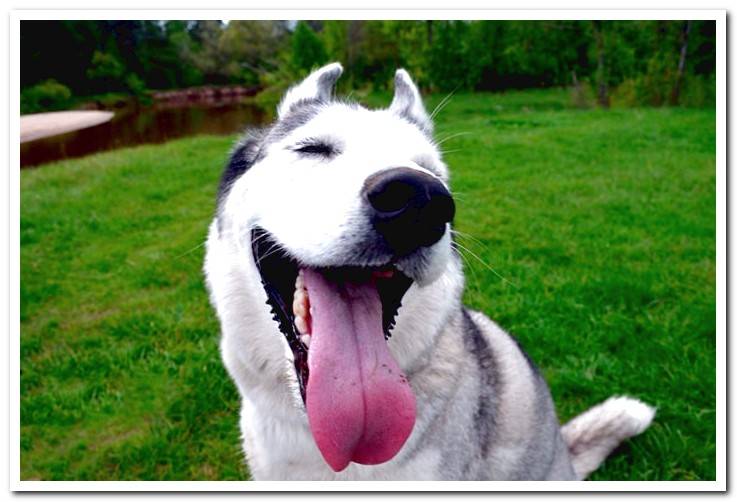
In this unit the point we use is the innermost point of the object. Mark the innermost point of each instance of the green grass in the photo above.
(602, 224)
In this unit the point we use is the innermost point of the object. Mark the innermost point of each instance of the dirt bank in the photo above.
(42, 125)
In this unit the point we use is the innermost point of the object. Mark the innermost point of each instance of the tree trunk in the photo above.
(676, 93)
(602, 93)
(578, 96)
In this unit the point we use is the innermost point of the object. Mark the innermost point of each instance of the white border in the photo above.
(16, 484)
(388, 486)
(721, 248)
(345, 14)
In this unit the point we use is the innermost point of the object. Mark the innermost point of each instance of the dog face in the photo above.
(316, 177)
(340, 210)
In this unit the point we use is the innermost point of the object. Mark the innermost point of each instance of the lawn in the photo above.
(594, 240)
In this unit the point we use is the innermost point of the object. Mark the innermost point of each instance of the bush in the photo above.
(135, 85)
(45, 96)
(698, 91)
(653, 89)
(625, 94)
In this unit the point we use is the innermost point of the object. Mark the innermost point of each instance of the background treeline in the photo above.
(621, 62)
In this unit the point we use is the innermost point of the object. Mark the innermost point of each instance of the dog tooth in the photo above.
(306, 339)
(300, 306)
(300, 282)
(301, 324)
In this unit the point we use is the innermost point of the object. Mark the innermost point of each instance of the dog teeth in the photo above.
(301, 324)
(301, 309)
(299, 305)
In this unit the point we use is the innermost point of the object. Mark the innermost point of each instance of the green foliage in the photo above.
(649, 73)
(110, 74)
(335, 37)
(96, 57)
(135, 85)
(105, 66)
(699, 91)
(308, 51)
(602, 224)
(249, 49)
(448, 57)
(47, 95)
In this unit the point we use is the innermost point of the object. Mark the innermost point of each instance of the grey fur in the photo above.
(464, 422)
(484, 417)
(406, 104)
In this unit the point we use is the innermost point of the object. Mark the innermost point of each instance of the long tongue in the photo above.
(359, 404)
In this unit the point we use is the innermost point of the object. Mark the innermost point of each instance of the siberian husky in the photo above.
(330, 266)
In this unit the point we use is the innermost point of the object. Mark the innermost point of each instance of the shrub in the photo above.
(698, 91)
(45, 96)
(654, 89)
(135, 85)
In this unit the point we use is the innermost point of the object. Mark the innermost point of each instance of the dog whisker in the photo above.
(468, 266)
(466, 235)
(191, 250)
(275, 248)
(452, 136)
(489, 267)
(443, 103)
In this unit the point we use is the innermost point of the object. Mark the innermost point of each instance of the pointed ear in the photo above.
(407, 102)
(318, 86)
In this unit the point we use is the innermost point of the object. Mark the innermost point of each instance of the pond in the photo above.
(135, 125)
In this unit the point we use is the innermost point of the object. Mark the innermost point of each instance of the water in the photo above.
(135, 125)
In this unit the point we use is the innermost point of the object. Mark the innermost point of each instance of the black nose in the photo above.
(409, 208)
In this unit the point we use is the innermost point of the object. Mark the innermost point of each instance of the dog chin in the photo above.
(427, 264)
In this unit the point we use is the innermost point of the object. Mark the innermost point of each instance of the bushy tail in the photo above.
(592, 435)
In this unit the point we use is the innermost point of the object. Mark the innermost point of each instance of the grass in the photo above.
(601, 223)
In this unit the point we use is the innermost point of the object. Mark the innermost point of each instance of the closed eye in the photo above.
(318, 148)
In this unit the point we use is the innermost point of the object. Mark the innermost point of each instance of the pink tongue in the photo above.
(359, 405)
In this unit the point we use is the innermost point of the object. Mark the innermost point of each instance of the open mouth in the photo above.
(337, 321)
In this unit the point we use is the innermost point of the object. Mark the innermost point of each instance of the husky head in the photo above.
(340, 210)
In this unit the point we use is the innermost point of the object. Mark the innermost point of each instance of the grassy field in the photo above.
(601, 223)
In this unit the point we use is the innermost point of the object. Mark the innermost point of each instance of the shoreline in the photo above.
(43, 125)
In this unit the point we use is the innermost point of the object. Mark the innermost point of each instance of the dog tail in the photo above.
(592, 435)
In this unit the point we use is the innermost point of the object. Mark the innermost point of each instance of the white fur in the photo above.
(407, 100)
(593, 435)
(317, 222)
(310, 88)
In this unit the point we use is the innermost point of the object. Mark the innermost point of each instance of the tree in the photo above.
(602, 89)
(448, 57)
(308, 51)
(681, 63)
(633, 62)
(251, 48)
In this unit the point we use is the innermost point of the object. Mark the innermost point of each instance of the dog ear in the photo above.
(407, 102)
(318, 86)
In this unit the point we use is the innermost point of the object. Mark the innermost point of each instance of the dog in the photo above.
(330, 266)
